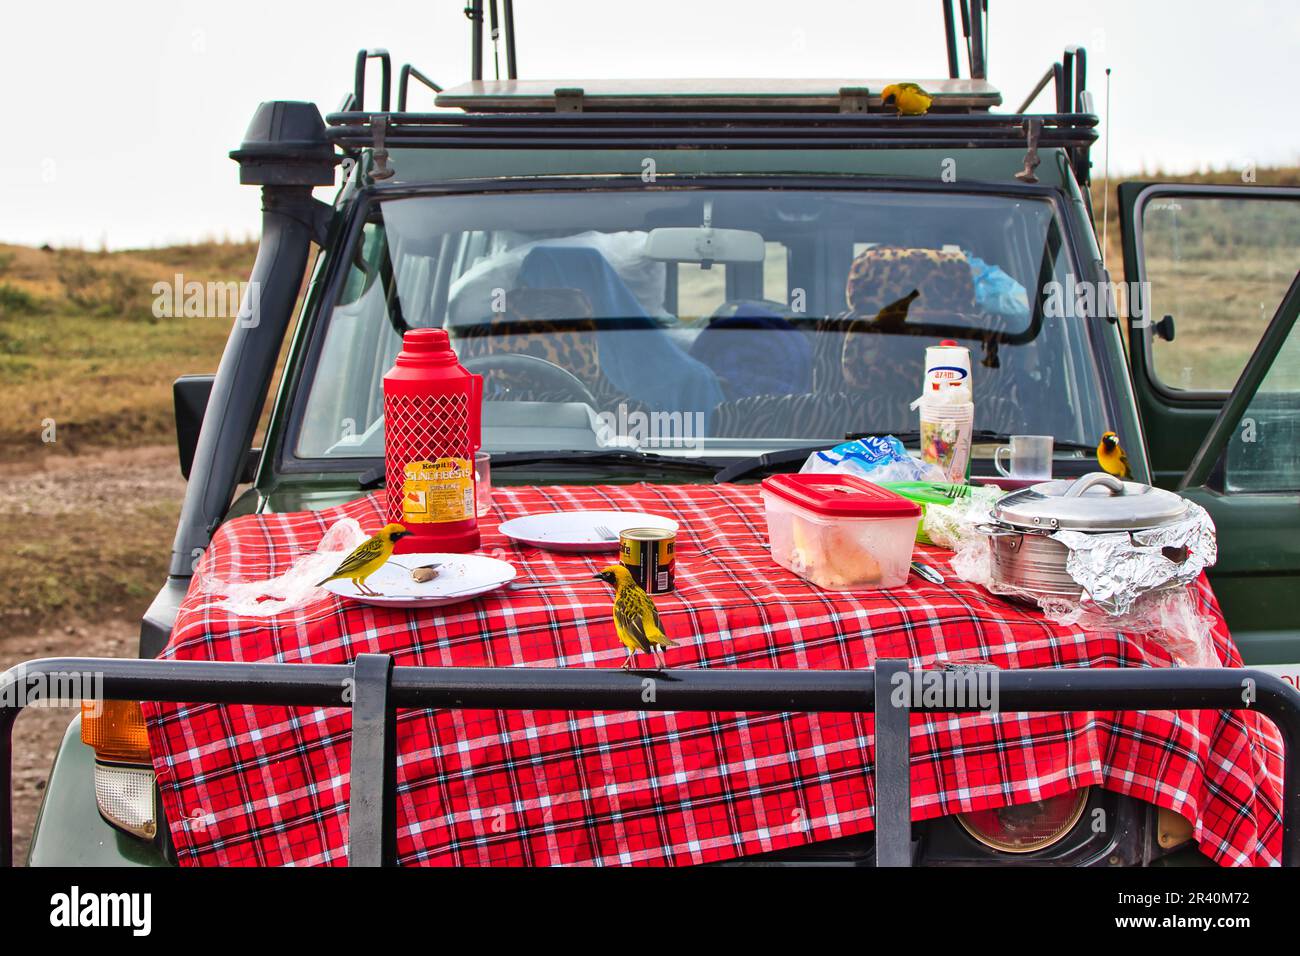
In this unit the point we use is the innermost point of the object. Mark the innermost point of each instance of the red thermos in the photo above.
(432, 427)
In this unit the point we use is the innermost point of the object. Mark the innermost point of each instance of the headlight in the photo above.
(1026, 827)
(124, 779)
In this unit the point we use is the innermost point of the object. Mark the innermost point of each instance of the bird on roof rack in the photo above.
(908, 98)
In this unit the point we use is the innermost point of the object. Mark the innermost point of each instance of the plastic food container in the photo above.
(840, 532)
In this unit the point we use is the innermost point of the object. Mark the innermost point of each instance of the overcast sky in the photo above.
(121, 114)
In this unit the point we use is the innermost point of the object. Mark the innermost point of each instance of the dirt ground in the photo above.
(102, 493)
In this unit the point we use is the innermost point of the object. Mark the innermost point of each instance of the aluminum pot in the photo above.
(1027, 562)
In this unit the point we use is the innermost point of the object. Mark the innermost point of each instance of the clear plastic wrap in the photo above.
(950, 525)
(1139, 582)
(296, 587)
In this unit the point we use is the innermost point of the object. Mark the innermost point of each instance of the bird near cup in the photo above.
(635, 618)
(1111, 456)
(368, 557)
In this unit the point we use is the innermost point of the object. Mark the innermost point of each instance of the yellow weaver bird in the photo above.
(369, 557)
(1111, 456)
(908, 98)
(635, 618)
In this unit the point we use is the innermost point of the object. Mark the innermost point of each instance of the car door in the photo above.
(1205, 268)
(1247, 475)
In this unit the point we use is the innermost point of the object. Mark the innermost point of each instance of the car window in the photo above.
(810, 323)
(1263, 454)
(1219, 266)
(776, 268)
(700, 291)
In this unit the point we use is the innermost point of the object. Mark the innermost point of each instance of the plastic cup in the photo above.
(482, 482)
(1030, 455)
(946, 437)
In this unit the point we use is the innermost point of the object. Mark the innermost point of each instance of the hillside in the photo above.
(83, 358)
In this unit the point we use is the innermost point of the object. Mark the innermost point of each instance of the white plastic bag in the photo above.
(470, 299)
(878, 459)
(296, 587)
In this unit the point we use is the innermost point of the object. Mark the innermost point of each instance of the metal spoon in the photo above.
(927, 572)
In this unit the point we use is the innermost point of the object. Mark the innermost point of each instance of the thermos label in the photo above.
(438, 491)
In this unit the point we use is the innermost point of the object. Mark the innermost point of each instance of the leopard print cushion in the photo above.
(884, 274)
(869, 358)
(886, 286)
(551, 324)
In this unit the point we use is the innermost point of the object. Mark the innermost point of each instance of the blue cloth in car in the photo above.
(756, 352)
(636, 355)
(995, 291)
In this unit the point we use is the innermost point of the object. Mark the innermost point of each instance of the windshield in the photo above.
(723, 322)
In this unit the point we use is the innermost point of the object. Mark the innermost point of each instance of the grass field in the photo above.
(81, 348)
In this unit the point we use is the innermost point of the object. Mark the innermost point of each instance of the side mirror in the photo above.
(190, 399)
(190, 395)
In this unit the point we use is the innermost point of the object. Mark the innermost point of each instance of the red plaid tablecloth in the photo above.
(269, 785)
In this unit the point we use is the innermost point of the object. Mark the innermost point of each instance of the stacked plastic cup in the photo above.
(947, 409)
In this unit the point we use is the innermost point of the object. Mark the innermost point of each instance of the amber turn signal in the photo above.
(115, 729)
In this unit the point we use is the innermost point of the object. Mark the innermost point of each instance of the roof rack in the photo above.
(474, 11)
(835, 95)
(974, 30)
(627, 130)
(671, 114)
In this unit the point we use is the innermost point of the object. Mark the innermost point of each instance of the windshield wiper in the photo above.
(774, 460)
(603, 456)
(769, 461)
(619, 457)
(984, 436)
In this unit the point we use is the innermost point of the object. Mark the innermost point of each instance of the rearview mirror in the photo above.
(704, 244)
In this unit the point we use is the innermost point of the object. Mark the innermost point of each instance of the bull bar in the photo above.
(374, 688)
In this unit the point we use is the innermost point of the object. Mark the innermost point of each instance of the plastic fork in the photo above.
(537, 585)
(605, 533)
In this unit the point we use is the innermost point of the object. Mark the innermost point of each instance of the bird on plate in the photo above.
(1111, 456)
(635, 618)
(368, 558)
(908, 98)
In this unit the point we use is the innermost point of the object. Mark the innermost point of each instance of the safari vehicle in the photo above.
(706, 231)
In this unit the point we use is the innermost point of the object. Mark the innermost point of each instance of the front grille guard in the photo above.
(374, 688)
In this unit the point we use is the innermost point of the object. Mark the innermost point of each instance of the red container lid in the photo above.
(841, 496)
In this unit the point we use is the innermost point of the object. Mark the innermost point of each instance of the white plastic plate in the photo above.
(461, 577)
(576, 530)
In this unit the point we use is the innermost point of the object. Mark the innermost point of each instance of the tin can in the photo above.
(648, 553)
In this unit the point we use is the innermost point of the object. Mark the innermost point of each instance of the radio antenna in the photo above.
(1105, 179)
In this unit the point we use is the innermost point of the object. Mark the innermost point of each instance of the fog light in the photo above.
(125, 798)
(1026, 827)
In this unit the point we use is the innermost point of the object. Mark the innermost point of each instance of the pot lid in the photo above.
(1095, 502)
